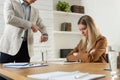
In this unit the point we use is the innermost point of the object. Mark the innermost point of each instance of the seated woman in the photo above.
(92, 46)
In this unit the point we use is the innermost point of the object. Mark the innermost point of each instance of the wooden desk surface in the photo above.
(20, 74)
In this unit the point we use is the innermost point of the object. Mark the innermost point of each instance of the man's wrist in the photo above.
(44, 34)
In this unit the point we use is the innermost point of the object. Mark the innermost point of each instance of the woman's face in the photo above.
(83, 29)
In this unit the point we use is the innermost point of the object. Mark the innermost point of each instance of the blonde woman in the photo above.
(92, 46)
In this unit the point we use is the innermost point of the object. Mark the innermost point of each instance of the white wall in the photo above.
(45, 9)
(107, 16)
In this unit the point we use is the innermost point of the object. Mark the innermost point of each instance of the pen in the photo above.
(81, 75)
(107, 69)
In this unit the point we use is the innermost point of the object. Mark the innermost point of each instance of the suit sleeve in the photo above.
(100, 49)
(96, 56)
(70, 56)
(11, 17)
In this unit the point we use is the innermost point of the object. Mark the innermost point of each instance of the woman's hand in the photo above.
(92, 51)
(75, 54)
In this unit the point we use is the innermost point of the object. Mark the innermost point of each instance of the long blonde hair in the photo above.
(93, 32)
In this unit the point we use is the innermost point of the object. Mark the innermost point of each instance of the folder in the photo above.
(23, 65)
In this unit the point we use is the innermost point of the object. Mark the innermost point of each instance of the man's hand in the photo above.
(44, 38)
(35, 28)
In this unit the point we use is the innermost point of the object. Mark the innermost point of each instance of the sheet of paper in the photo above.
(22, 65)
(86, 77)
(60, 75)
(51, 75)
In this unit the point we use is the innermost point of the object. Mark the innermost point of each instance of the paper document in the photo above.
(23, 65)
(60, 75)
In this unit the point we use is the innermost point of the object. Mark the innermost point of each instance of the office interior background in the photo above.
(106, 14)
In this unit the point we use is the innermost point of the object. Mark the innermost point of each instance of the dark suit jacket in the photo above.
(97, 56)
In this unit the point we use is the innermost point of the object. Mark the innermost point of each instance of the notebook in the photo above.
(23, 65)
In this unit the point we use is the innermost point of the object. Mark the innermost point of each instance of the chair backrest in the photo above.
(64, 52)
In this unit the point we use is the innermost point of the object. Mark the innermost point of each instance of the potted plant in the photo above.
(63, 6)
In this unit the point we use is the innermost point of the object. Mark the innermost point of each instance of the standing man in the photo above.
(21, 21)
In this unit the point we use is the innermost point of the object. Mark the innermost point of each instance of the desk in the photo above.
(20, 74)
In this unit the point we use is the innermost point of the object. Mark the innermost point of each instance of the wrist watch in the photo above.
(45, 34)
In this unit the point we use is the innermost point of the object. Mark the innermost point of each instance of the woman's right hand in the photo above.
(75, 54)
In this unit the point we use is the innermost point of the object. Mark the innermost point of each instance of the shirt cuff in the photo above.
(45, 34)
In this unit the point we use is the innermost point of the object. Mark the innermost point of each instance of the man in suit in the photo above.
(21, 21)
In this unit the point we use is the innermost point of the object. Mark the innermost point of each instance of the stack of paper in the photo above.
(22, 65)
(60, 75)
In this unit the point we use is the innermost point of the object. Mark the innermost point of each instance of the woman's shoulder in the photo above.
(101, 37)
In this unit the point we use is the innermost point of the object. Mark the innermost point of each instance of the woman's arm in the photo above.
(71, 56)
(99, 50)
(95, 54)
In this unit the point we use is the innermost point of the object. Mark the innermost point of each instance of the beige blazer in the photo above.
(96, 53)
(15, 26)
